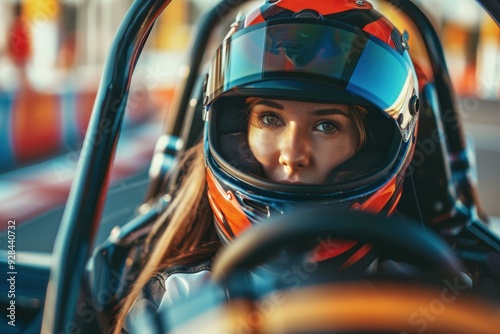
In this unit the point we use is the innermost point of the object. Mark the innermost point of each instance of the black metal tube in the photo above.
(176, 115)
(88, 191)
(204, 30)
(447, 101)
(493, 7)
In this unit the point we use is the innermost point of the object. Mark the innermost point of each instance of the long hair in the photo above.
(183, 234)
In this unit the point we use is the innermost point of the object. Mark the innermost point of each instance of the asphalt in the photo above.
(120, 207)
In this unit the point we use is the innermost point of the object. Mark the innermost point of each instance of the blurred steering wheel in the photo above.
(404, 240)
(349, 306)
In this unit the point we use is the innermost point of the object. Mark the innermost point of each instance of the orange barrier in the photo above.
(35, 125)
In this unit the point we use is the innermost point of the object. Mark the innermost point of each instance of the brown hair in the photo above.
(183, 234)
(358, 116)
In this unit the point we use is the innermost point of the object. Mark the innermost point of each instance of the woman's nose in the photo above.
(295, 149)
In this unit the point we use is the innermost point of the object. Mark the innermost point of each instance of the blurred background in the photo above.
(52, 53)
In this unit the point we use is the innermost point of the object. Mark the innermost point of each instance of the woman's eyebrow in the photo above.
(329, 111)
(270, 104)
(317, 112)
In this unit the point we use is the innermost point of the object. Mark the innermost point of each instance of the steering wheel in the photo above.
(391, 235)
(348, 306)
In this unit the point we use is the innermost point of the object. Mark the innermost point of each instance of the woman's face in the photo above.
(300, 142)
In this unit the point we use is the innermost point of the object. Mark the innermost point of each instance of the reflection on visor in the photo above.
(352, 61)
(305, 48)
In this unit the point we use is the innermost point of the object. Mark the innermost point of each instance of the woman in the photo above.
(307, 103)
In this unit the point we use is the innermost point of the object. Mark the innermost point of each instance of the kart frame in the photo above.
(75, 239)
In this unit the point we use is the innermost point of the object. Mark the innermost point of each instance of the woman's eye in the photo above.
(327, 127)
(270, 120)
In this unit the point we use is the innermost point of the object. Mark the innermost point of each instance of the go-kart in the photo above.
(447, 227)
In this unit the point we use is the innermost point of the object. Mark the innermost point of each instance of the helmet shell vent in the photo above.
(309, 14)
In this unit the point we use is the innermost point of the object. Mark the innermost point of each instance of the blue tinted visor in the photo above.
(321, 60)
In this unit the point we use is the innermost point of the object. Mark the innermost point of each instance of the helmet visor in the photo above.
(353, 65)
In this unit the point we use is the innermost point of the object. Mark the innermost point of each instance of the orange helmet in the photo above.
(336, 51)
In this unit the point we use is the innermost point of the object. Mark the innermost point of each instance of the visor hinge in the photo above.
(414, 105)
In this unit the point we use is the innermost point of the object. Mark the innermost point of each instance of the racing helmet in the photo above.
(336, 51)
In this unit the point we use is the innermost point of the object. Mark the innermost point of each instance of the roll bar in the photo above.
(88, 192)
